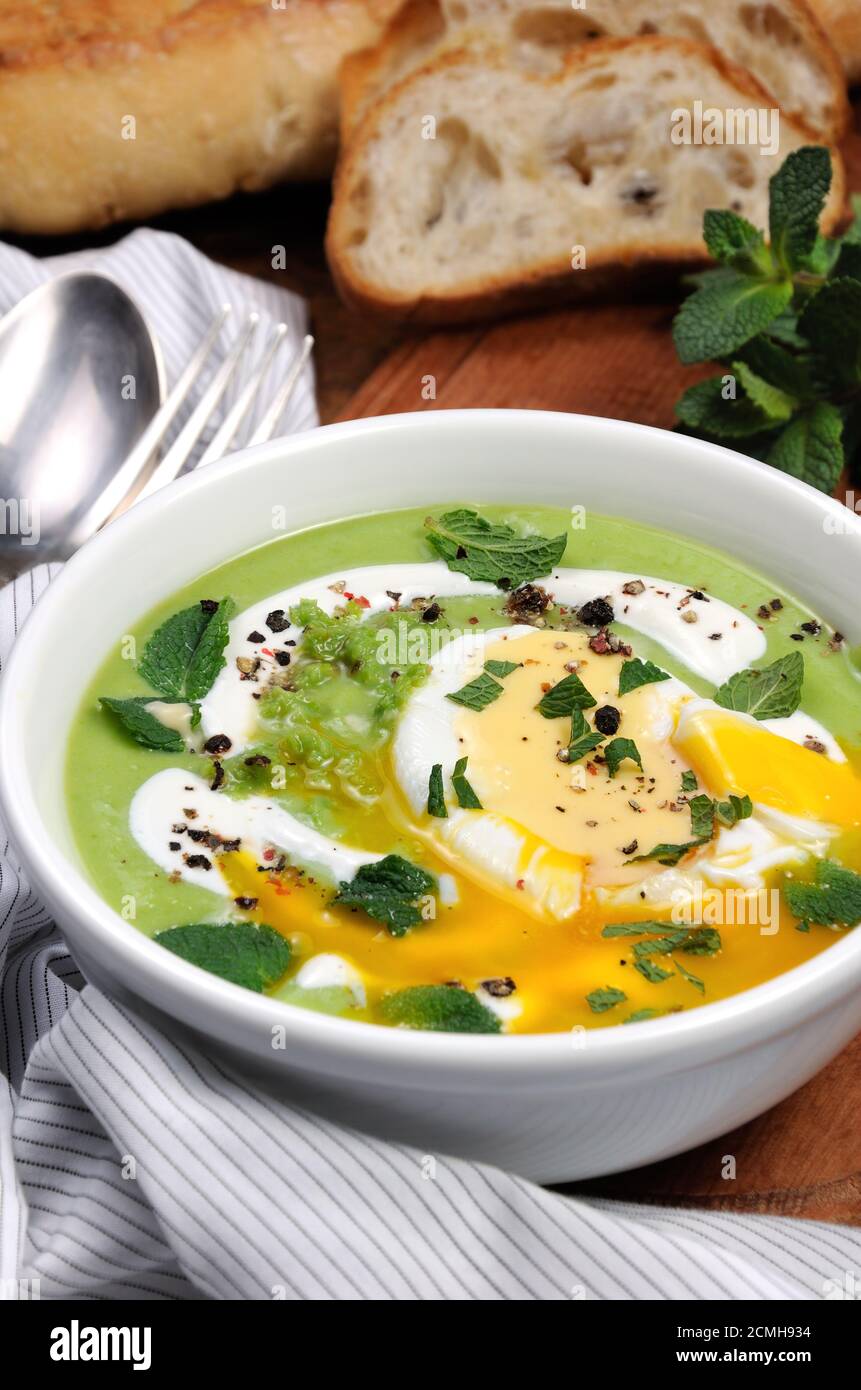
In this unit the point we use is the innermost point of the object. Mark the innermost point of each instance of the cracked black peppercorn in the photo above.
(596, 613)
(607, 719)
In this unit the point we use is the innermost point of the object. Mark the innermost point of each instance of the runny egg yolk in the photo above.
(732, 754)
(577, 807)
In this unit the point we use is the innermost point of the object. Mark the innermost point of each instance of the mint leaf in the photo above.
(600, 1000)
(564, 698)
(438, 1009)
(832, 322)
(655, 974)
(478, 694)
(492, 552)
(725, 314)
(143, 726)
(183, 657)
(702, 810)
(617, 750)
(776, 405)
(691, 979)
(689, 781)
(694, 941)
(388, 891)
(640, 1015)
(811, 448)
(580, 746)
(774, 692)
(436, 795)
(464, 792)
(242, 952)
(705, 409)
(734, 240)
(833, 899)
(636, 672)
(737, 808)
(669, 854)
(501, 668)
(797, 194)
(789, 371)
(634, 928)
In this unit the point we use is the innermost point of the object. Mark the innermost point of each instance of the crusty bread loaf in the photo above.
(521, 169)
(841, 20)
(779, 41)
(225, 95)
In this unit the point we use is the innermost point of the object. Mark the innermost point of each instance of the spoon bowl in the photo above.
(82, 376)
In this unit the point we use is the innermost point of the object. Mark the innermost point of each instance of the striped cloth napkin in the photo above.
(134, 1166)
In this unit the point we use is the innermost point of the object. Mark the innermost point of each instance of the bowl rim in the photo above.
(722, 1028)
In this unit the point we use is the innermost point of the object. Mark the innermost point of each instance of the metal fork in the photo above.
(124, 489)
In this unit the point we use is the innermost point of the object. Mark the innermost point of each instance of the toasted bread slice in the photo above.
(474, 186)
(114, 109)
(779, 41)
(841, 20)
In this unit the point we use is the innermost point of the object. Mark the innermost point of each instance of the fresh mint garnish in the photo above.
(436, 795)
(492, 551)
(832, 899)
(772, 692)
(183, 657)
(689, 781)
(143, 726)
(388, 891)
(478, 694)
(501, 668)
(669, 854)
(691, 979)
(694, 940)
(655, 974)
(600, 1000)
(636, 672)
(242, 952)
(734, 809)
(466, 797)
(438, 1009)
(564, 698)
(784, 322)
(617, 750)
(702, 810)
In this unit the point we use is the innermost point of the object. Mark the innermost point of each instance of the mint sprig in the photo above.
(783, 318)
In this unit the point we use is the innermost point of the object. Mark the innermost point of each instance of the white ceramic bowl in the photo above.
(553, 1106)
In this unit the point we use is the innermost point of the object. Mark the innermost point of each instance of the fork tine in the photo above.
(223, 438)
(172, 462)
(120, 490)
(280, 400)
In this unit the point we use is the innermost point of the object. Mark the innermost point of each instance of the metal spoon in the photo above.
(82, 378)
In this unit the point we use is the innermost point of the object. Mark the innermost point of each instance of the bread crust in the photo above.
(612, 272)
(419, 28)
(841, 20)
(225, 95)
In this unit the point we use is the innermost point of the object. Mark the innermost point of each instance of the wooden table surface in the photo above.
(802, 1158)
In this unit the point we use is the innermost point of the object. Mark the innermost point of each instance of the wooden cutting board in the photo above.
(803, 1158)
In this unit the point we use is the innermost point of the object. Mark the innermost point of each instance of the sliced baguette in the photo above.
(841, 20)
(522, 168)
(225, 95)
(779, 41)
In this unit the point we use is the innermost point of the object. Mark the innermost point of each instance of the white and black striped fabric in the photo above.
(133, 1167)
